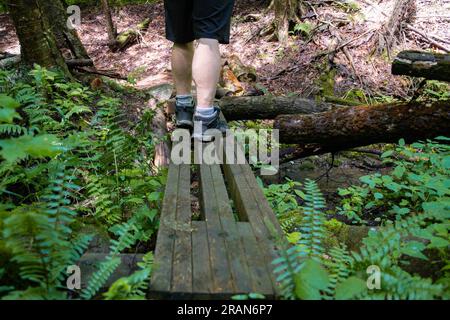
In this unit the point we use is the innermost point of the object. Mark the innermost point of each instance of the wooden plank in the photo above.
(221, 193)
(201, 268)
(262, 202)
(260, 273)
(251, 208)
(239, 265)
(162, 275)
(235, 249)
(182, 257)
(222, 278)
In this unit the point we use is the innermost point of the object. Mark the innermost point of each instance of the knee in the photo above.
(185, 47)
(208, 42)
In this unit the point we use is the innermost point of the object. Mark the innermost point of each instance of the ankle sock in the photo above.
(206, 112)
(185, 100)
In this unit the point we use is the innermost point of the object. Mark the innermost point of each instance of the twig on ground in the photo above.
(427, 38)
(343, 44)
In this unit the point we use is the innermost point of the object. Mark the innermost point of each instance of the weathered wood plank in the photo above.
(235, 249)
(162, 275)
(221, 271)
(201, 269)
(270, 219)
(254, 209)
(182, 258)
(259, 272)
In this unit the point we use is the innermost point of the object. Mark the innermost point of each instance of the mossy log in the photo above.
(352, 127)
(269, 107)
(127, 38)
(433, 66)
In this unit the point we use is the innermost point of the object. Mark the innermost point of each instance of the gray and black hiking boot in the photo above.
(184, 115)
(207, 128)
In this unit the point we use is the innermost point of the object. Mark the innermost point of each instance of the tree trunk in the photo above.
(67, 40)
(352, 127)
(286, 12)
(112, 31)
(404, 12)
(38, 44)
(433, 66)
(269, 107)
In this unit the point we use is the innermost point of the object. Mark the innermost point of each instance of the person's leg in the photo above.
(182, 56)
(211, 26)
(206, 71)
(179, 30)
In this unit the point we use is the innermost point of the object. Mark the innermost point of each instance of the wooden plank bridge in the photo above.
(229, 250)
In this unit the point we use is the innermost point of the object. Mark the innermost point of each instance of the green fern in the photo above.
(40, 237)
(126, 234)
(12, 129)
(313, 229)
(339, 265)
(134, 286)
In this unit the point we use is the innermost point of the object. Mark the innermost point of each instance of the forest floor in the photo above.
(280, 70)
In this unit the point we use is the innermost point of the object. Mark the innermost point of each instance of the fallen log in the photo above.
(127, 38)
(243, 73)
(433, 66)
(352, 127)
(159, 129)
(269, 107)
(73, 63)
(9, 61)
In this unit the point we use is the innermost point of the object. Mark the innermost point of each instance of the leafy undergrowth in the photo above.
(70, 159)
(414, 204)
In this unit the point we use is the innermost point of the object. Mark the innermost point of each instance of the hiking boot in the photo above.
(207, 128)
(184, 115)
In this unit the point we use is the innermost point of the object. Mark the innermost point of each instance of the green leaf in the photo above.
(300, 193)
(78, 109)
(311, 278)
(414, 249)
(350, 288)
(378, 195)
(305, 27)
(438, 242)
(154, 196)
(15, 149)
(446, 162)
(368, 180)
(8, 115)
(387, 154)
(401, 142)
(8, 102)
(399, 171)
(256, 296)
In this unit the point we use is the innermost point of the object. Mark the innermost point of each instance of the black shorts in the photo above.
(189, 20)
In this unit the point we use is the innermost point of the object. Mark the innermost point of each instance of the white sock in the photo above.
(185, 100)
(206, 112)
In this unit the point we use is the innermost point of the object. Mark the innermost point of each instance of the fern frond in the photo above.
(313, 229)
(285, 268)
(126, 233)
(12, 129)
(339, 265)
(100, 277)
